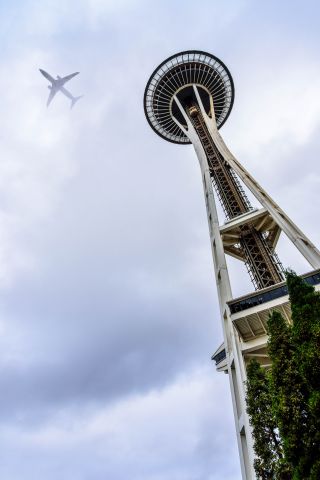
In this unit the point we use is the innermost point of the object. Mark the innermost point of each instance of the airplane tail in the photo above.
(74, 100)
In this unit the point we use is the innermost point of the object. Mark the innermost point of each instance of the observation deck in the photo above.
(250, 314)
(175, 76)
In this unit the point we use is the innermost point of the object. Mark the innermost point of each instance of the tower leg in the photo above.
(236, 368)
(297, 237)
(235, 361)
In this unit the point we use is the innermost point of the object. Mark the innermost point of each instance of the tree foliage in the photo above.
(269, 463)
(284, 403)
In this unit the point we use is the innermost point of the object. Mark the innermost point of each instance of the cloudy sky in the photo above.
(108, 307)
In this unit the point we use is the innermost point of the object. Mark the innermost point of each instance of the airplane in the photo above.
(57, 85)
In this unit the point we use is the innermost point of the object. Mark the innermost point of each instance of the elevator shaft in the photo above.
(262, 263)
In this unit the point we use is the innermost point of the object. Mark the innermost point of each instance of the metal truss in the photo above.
(262, 264)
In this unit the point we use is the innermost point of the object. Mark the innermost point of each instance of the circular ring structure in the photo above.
(192, 67)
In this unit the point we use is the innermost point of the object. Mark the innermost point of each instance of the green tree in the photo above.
(305, 306)
(269, 462)
(287, 386)
(284, 403)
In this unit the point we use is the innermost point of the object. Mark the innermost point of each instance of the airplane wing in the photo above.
(67, 93)
(68, 77)
(51, 95)
(46, 75)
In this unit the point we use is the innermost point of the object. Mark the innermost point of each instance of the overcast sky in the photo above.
(108, 306)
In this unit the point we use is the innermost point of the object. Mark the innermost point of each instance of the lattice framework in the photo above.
(262, 264)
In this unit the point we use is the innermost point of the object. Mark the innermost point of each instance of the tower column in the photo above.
(235, 361)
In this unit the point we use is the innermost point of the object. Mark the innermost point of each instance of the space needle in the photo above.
(187, 100)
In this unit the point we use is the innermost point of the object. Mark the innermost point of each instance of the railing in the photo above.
(272, 293)
(220, 356)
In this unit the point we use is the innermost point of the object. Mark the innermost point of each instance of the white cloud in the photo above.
(162, 433)
(278, 105)
(110, 312)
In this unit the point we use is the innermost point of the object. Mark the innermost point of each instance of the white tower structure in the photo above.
(187, 99)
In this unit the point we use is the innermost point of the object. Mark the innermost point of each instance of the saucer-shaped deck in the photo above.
(175, 76)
